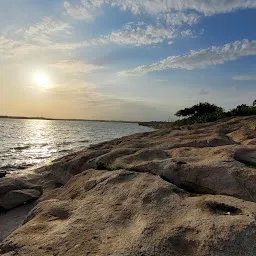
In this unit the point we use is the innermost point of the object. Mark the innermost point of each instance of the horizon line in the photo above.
(65, 119)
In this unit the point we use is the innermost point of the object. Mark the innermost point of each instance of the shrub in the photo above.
(200, 113)
(243, 110)
(206, 112)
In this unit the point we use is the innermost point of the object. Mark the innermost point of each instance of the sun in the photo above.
(41, 79)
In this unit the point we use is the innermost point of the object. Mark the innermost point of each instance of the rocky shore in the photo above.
(188, 191)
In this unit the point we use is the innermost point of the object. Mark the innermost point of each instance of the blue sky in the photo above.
(125, 59)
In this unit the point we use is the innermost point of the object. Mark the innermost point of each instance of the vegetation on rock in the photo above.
(206, 112)
(203, 113)
(200, 113)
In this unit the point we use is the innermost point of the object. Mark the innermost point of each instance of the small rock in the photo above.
(181, 163)
(2, 174)
(15, 192)
(9, 184)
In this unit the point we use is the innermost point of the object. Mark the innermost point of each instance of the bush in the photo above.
(199, 110)
(243, 110)
(206, 112)
(200, 113)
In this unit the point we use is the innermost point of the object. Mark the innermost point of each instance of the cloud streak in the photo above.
(87, 9)
(74, 67)
(137, 35)
(165, 6)
(41, 37)
(42, 31)
(37, 37)
(244, 78)
(199, 59)
(180, 18)
(140, 35)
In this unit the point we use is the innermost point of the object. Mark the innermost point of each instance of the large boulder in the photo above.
(15, 198)
(127, 213)
(15, 192)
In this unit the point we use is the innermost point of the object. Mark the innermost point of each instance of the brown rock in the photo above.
(18, 197)
(14, 192)
(127, 213)
(167, 192)
(11, 183)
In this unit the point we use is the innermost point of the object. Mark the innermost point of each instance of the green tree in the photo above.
(199, 110)
(200, 113)
(240, 110)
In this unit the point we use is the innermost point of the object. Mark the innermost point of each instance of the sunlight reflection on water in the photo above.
(26, 143)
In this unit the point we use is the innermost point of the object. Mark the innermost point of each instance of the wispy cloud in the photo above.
(12, 47)
(47, 26)
(42, 31)
(74, 67)
(180, 18)
(140, 35)
(37, 37)
(171, 16)
(131, 34)
(200, 59)
(165, 6)
(245, 78)
(41, 37)
(87, 9)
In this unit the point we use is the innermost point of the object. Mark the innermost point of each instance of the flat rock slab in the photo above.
(126, 213)
(11, 220)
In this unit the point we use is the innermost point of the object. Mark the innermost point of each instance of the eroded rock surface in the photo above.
(168, 192)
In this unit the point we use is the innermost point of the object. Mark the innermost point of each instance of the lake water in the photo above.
(26, 143)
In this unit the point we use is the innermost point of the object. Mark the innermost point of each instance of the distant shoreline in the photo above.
(64, 119)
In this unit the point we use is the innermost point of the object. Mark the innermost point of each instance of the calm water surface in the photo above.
(28, 143)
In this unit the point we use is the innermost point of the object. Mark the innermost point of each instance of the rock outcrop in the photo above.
(15, 192)
(168, 192)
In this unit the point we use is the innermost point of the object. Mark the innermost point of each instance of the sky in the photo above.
(125, 59)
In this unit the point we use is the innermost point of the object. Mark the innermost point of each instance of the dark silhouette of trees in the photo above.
(199, 110)
(200, 113)
(206, 112)
(241, 110)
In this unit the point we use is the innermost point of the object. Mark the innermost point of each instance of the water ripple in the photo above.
(28, 143)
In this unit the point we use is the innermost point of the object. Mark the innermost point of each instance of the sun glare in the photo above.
(41, 79)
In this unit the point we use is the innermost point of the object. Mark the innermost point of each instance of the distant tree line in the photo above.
(206, 112)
